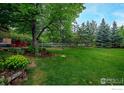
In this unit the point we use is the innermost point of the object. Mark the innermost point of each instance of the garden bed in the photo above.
(13, 77)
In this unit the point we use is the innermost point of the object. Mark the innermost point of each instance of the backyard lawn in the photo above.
(77, 66)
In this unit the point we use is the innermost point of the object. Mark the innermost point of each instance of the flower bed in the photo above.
(18, 43)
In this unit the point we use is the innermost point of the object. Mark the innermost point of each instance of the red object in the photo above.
(19, 44)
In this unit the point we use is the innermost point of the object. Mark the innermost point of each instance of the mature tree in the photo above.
(35, 19)
(26, 20)
(86, 33)
(6, 18)
(75, 26)
(115, 37)
(76, 33)
(121, 33)
(93, 30)
(103, 35)
(39, 18)
(61, 18)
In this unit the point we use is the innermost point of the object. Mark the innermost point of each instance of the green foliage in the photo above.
(85, 34)
(2, 80)
(16, 62)
(6, 18)
(20, 51)
(31, 49)
(58, 19)
(4, 34)
(19, 36)
(15, 36)
(103, 35)
(2, 60)
(16, 50)
(88, 34)
(13, 50)
(121, 33)
(34, 19)
(116, 39)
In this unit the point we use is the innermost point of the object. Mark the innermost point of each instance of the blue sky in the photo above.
(108, 11)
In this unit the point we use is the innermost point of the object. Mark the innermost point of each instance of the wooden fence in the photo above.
(60, 45)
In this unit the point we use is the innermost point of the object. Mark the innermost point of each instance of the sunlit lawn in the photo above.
(83, 66)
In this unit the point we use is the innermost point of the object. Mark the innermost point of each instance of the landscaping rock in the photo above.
(14, 76)
(2, 80)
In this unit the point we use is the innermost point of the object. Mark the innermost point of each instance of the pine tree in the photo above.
(103, 35)
(121, 34)
(93, 29)
(82, 34)
(76, 34)
(115, 37)
(86, 33)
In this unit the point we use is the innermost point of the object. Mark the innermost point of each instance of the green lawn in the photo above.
(85, 66)
(81, 66)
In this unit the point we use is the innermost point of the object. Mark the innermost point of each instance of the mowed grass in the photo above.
(81, 66)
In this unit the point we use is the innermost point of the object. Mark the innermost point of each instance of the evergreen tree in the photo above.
(93, 29)
(75, 26)
(81, 33)
(121, 34)
(115, 37)
(103, 35)
(86, 33)
(76, 34)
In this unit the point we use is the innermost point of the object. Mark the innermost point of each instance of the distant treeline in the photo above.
(92, 35)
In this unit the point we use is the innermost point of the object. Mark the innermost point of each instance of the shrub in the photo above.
(2, 62)
(21, 37)
(17, 50)
(2, 80)
(16, 62)
(31, 49)
(20, 51)
(13, 50)
(43, 49)
(1, 65)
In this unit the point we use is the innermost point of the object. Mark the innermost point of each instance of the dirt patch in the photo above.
(32, 60)
(32, 65)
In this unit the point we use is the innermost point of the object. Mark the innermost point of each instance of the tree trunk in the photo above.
(35, 43)
(34, 35)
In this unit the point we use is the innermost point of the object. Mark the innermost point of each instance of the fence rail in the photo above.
(60, 45)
